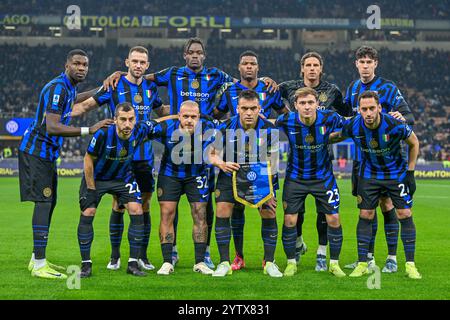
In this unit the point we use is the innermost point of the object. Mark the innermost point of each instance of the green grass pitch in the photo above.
(431, 214)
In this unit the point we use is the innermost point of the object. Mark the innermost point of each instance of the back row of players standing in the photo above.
(206, 85)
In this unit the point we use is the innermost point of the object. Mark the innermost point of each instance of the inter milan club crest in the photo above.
(373, 143)
(251, 176)
(323, 97)
(138, 98)
(123, 153)
(47, 192)
(195, 84)
(309, 138)
(160, 192)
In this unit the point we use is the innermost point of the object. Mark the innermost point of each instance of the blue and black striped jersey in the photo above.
(309, 158)
(251, 146)
(184, 155)
(391, 99)
(113, 155)
(144, 97)
(184, 84)
(227, 98)
(382, 158)
(56, 97)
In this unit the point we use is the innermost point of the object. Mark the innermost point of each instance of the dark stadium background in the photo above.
(414, 50)
(413, 42)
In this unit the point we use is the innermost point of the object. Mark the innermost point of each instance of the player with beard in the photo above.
(227, 101)
(198, 83)
(392, 102)
(142, 94)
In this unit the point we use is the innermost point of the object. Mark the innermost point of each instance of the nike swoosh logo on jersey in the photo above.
(408, 202)
(293, 132)
(204, 195)
(181, 78)
(234, 98)
(354, 93)
(122, 93)
(110, 147)
(172, 141)
(359, 137)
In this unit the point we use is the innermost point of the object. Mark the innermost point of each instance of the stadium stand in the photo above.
(410, 9)
(422, 76)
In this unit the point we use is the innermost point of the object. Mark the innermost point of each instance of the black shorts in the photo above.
(325, 192)
(123, 190)
(38, 178)
(224, 190)
(143, 173)
(371, 190)
(211, 174)
(355, 177)
(172, 188)
(355, 180)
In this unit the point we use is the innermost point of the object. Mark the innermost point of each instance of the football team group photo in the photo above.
(206, 151)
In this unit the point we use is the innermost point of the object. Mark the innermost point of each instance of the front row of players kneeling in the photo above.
(193, 143)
